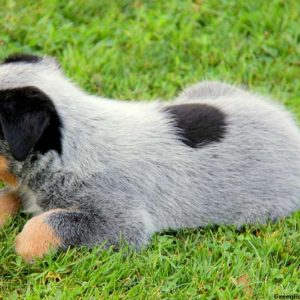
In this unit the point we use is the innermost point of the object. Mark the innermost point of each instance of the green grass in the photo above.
(147, 50)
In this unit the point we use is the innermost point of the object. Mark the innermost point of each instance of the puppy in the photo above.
(95, 170)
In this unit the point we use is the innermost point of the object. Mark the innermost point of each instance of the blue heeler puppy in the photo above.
(96, 170)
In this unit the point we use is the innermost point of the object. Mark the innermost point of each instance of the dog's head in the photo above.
(29, 121)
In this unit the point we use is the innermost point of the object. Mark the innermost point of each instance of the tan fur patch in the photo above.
(5, 175)
(36, 238)
(9, 205)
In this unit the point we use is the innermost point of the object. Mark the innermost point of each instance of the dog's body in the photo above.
(110, 169)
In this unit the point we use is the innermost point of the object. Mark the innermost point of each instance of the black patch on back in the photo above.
(29, 121)
(21, 57)
(198, 124)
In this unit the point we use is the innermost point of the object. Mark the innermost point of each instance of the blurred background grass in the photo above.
(149, 49)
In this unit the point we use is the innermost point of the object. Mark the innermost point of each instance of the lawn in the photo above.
(143, 50)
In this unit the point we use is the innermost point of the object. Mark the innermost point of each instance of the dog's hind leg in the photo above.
(209, 90)
(62, 228)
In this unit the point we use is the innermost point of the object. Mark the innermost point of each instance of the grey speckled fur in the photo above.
(124, 173)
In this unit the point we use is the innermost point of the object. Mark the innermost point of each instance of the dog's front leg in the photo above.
(9, 201)
(61, 228)
(10, 204)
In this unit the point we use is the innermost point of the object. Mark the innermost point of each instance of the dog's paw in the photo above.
(9, 206)
(36, 239)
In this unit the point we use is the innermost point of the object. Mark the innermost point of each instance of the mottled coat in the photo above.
(105, 169)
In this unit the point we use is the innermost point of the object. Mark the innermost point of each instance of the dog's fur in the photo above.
(104, 170)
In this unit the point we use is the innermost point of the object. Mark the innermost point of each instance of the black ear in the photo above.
(22, 132)
(21, 57)
(29, 121)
